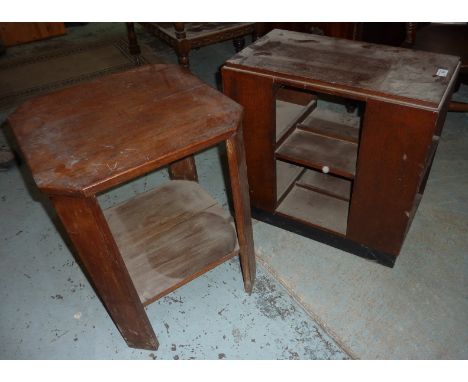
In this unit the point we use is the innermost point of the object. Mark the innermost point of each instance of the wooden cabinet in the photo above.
(20, 33)
(353, 180)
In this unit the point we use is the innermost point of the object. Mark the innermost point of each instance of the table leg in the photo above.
(133, 46)
(98, 253)
(239, 43)
(184, 169)
(240, 196)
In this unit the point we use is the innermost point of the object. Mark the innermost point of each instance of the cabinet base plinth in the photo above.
(325, 237)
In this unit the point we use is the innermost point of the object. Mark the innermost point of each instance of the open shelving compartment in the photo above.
(317, 142)
(170, 235)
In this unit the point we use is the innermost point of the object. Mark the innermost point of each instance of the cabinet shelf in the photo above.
(316, 151)
(315, 208)
(326, 184)
(170, 235)
(328, 123)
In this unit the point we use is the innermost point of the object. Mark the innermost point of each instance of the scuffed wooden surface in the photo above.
(168, 235)
(315, 151)
(315, 208)
(369, 69)
(95, 135)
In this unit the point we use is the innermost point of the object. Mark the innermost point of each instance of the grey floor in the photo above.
(49, 311)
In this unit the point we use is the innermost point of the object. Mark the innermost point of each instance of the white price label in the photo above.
(442, 72)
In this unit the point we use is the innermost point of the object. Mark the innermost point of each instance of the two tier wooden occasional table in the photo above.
(350, 180)
(86, 139)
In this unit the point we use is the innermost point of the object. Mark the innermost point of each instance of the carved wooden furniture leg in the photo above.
(183, 57)
(240, 196)
(184, 169)
(182, 45)
(98, 253)
(133, 46)
(410, 34)
(239, 43)
(183, 37)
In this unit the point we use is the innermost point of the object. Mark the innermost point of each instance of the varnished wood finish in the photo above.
(136, 122)
(256, 95)
(19, 33)
(240, 196)
(294, 96)
(170, 235)
(86, 226)
(329, 185)
(134, 134)
(184, 169)
(385, 157)
(389, 176)
(366, 70)
(332, 124)
(319, 152)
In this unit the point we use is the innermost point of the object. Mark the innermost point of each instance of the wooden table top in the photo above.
(367, 70)
(93, 136)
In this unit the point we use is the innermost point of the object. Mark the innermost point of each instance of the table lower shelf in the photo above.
(171, 235)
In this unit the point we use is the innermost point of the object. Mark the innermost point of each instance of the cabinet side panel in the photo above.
(394, 148)
(255, 94)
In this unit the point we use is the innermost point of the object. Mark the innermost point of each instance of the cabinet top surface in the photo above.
(353, 66)
(95, 135)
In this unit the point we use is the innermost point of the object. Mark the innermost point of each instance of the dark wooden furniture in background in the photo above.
(19, 33)
(350, 31)
(378, 33)
(442, 38)
(184, 37)
(350, 180)
(137, 121)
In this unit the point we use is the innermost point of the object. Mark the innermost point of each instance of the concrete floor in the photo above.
(49, 310)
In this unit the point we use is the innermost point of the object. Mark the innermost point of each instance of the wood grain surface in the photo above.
(332, 124)
(363, 68)
(394, 151)
(139, 120)
(170, 235)
(326, 184)
(315, 151)
(97, 251)
(316, 209)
